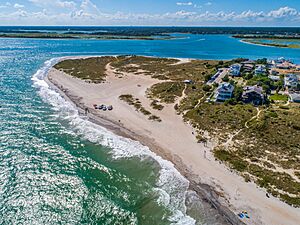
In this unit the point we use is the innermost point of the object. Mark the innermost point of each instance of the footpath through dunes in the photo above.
(170, 137)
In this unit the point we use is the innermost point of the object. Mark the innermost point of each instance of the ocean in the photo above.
(58, 168)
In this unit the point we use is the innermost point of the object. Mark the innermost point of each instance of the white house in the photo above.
(235, 70)
(224, 92)
(260, 70)
(291, 81)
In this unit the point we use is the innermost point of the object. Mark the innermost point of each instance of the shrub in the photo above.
(206, 88)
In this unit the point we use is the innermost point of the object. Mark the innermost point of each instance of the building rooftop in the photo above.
(254, 88)
(226, 87)
(295, 97)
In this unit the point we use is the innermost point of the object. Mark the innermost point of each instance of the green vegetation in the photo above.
(155, 105)
(206, 88)
(220, 119)
(279, 97)
(138, 106)
(272, 140)
(82, 36)
(90, 69)
(226, 78)
(165, 68)
(280, 184)
(272, 44)
(267, 84)
(167, 92)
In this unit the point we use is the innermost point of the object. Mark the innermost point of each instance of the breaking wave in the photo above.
(171, 186)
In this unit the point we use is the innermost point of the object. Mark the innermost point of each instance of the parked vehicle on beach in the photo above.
(110, 107)
(104, 108)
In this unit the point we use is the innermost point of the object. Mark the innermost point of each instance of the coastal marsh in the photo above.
(280, 43)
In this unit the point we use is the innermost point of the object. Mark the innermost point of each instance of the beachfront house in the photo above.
(274, 72)
(248, 68)
(291, 81)
(274, 78)
(260, 70)
(224, 92)
(285, 66)
(254, 95)
(248, 62)
(279, 60)
(235, 70)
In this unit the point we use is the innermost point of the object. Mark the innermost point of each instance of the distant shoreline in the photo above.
(273, 45)
(82, 37)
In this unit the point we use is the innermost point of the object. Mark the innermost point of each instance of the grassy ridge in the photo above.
(90, 69)
(273, 44)
(81, 36)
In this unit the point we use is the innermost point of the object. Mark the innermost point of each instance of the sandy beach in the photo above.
(173, 139)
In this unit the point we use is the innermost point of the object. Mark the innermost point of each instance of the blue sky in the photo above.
(151, 12)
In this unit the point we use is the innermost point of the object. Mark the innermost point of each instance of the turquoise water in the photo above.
(57, 168)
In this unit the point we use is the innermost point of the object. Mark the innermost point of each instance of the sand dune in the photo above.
(173, 140)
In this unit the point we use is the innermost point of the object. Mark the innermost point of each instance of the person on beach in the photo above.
(86, 111)
(205, 143)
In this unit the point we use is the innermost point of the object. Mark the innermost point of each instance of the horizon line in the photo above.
(175, 26)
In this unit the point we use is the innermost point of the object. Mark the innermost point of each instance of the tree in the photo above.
(262, 61)
(248, 76)
(230, 101)
(225, 78)
(266, 88)
(237, 93)
(206, 88)
(207, 77)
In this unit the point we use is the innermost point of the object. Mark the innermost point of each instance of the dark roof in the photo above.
(249, 89)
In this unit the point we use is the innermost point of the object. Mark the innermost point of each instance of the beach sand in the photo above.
(173, 139)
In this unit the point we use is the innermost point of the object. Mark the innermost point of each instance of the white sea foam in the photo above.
(171, 186)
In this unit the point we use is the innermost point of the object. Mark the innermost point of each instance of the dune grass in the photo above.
(279, 97)
(138, 106)
(89, 69)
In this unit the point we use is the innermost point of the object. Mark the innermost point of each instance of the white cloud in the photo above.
(89, 7)
(7, 4)
(283, 13)
(208, 3)
(54, 3)
(18, 6)
(184, 3)
(87, 13)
